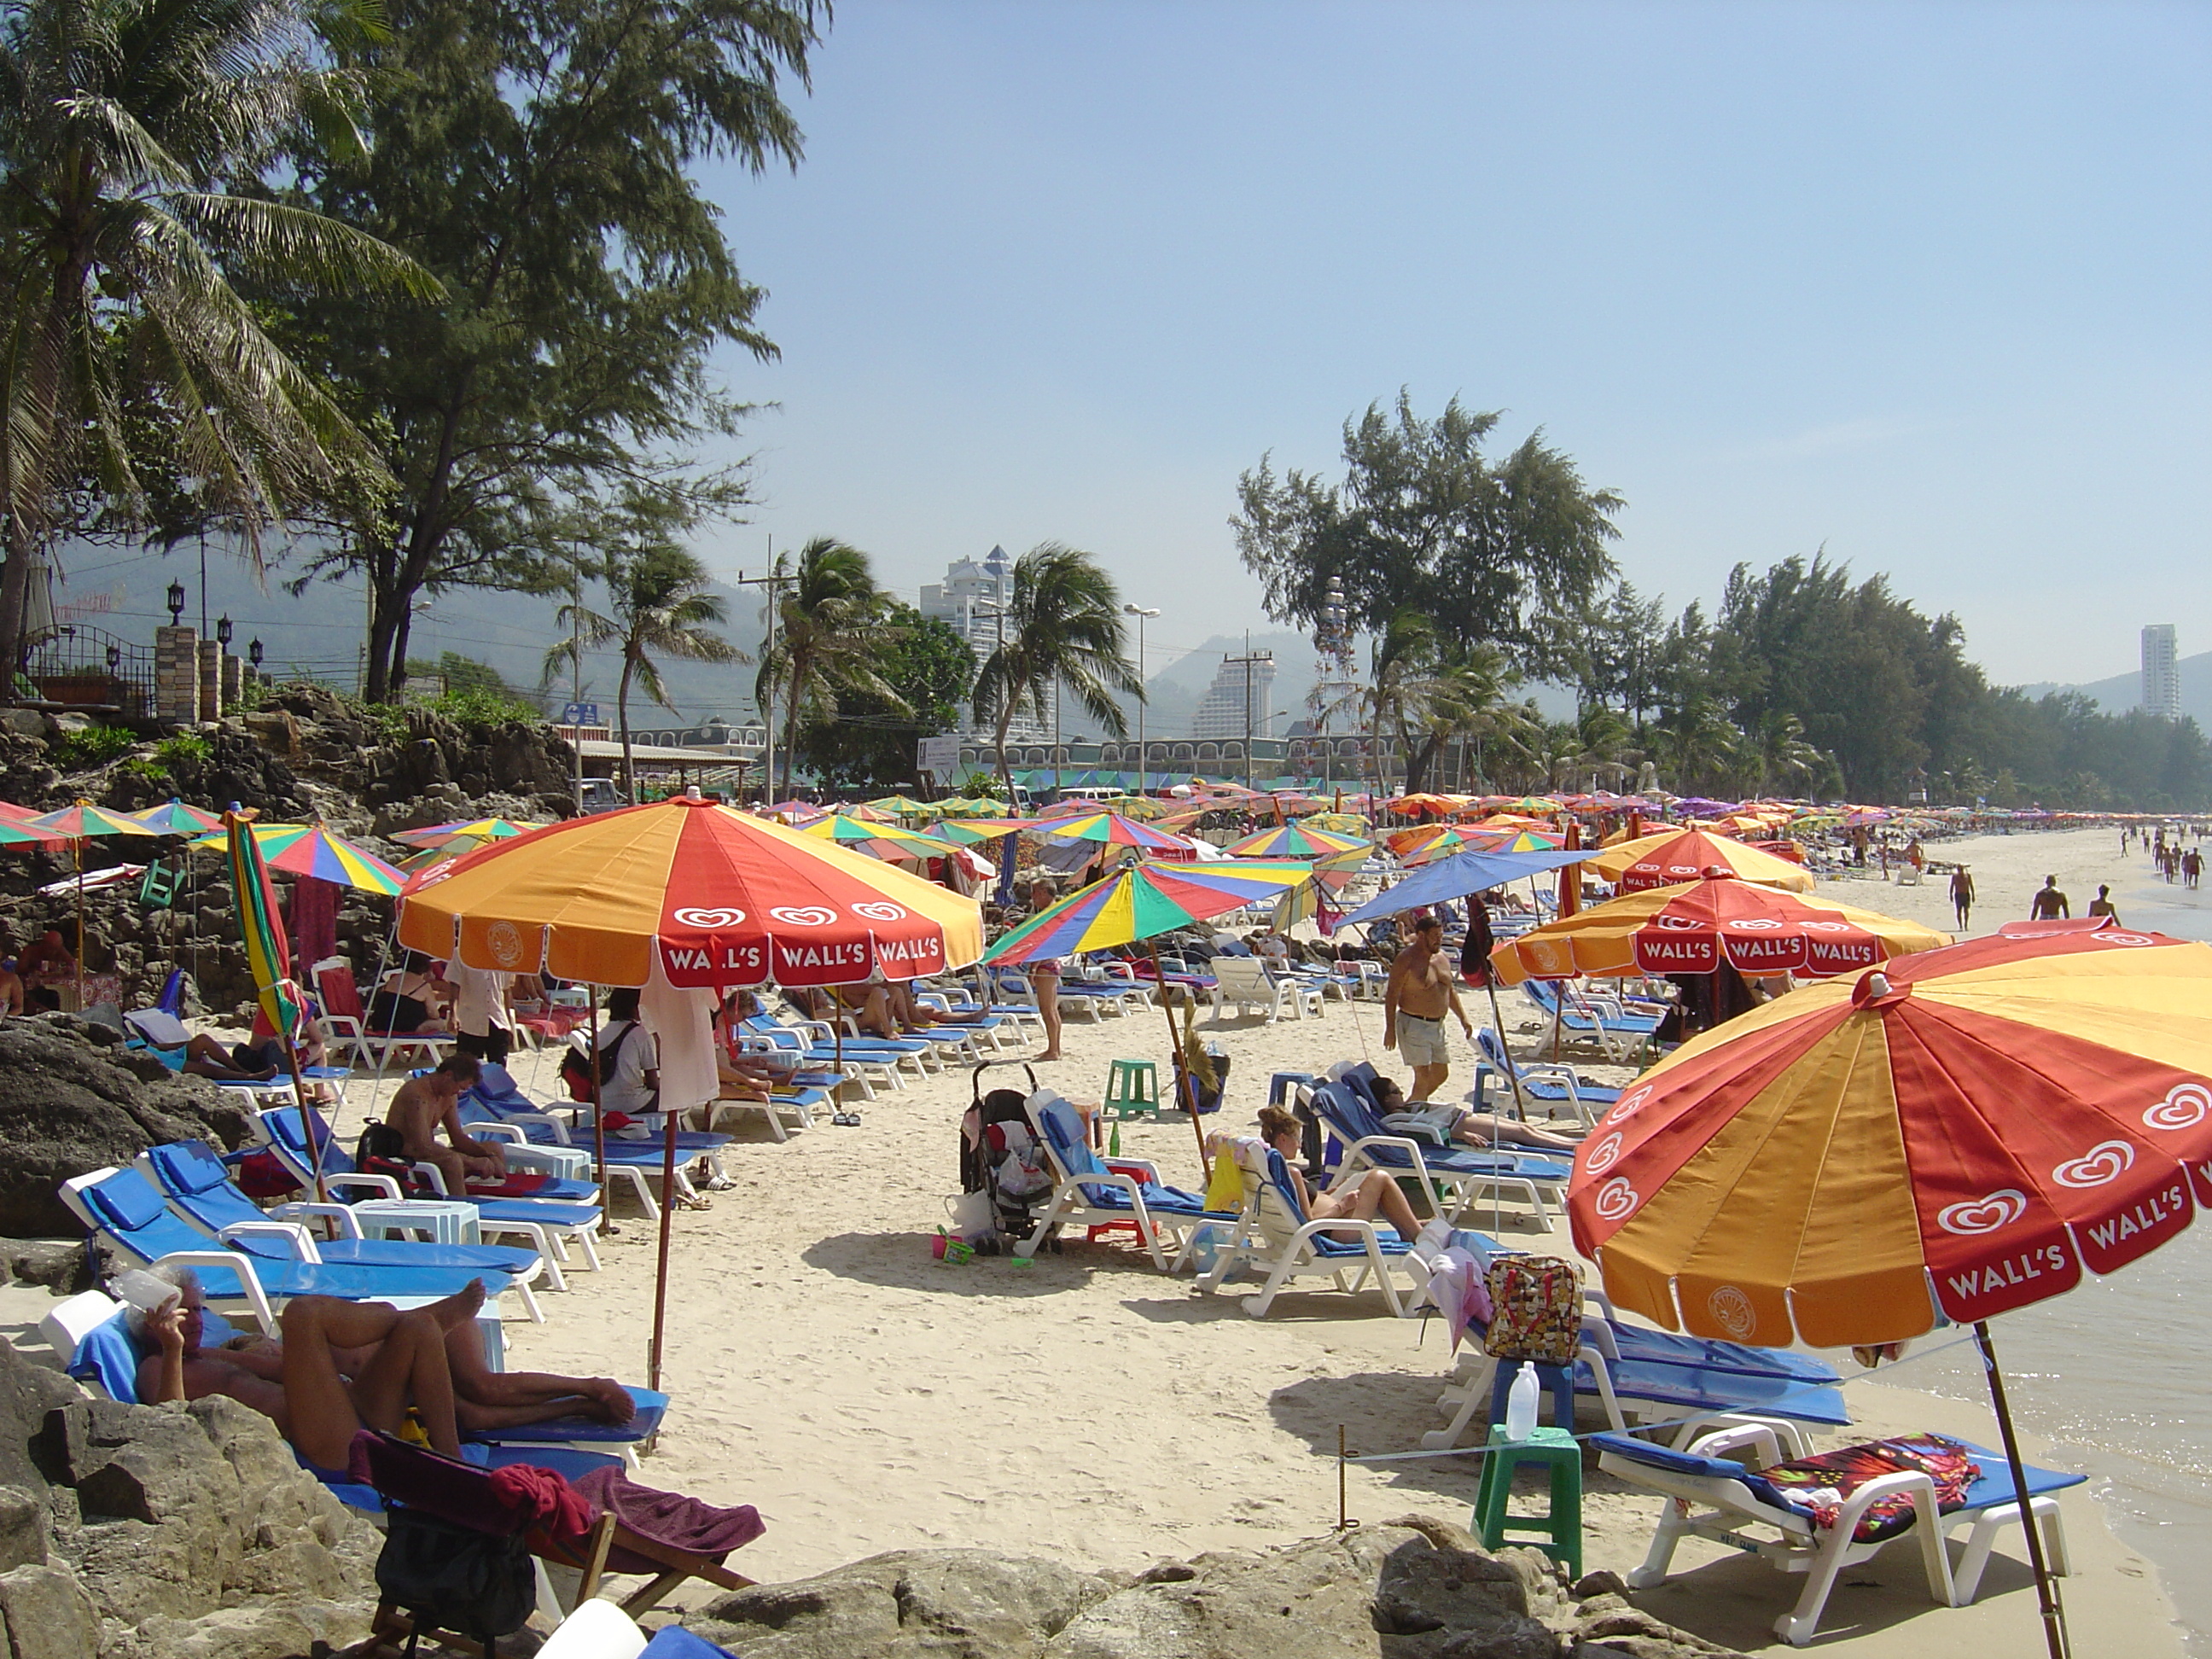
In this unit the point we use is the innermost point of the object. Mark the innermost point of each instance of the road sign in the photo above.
(580, 714)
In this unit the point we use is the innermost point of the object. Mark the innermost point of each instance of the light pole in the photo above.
(1141, 615)
(772, 585)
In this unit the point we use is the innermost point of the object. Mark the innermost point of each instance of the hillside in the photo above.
(2122, 692)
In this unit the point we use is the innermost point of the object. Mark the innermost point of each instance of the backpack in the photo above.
(454, 1578)
(1536, 1309)
(576, 1070)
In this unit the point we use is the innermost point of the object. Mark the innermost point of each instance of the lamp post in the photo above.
(176, 603)
(223, 630)
(253, 653)
(1141, 615)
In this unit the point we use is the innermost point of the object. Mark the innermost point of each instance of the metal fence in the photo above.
(91, 667)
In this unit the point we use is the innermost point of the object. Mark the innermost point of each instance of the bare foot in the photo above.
(1050, 1054)
(457, 1309)
(612, 1399)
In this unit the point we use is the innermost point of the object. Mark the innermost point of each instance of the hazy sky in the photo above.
(1925, 284)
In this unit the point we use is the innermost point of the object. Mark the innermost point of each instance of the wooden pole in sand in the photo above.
(667, 1222)
(1185, 1084)
(2046, 1592)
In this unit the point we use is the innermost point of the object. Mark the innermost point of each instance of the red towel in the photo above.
(667, 1517)
(543, 1499)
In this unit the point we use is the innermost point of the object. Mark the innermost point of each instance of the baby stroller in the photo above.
(1001, 1164)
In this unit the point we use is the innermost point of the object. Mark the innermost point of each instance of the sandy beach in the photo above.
(866, 1397)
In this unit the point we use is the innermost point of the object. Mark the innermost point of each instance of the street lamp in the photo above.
(176, 603)
(1141, 615)
(223, 630)
(253, 653)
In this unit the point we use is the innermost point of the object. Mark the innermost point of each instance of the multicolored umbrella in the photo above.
(903, 806)
(725, 899)
(1534, 806)
(1963, 1133)
(1427, 805)
(442, 835)
(879, 840)
(1426, 841)
(1143, 900)
(309, 849)
(1112, 830)
(1692, 928)
(1295, 841)
(173, 818)
(1338, 824)
(78, 824)
(1513, 841)
(970, 831)
(1673, 856)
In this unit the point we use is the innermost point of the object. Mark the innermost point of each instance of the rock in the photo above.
(72, 1100)
(945, 1604)
(48, 1614)
(1604, 1582)
(60, 1264)
(25, 723)
(23, 1536)
(266, 1632)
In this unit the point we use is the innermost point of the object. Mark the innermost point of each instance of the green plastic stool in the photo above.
(1559, 1531)
(1133, 1089)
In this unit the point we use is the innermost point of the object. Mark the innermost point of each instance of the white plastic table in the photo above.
(444, 1221)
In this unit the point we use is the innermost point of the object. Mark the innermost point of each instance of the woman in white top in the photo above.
(631, 1085)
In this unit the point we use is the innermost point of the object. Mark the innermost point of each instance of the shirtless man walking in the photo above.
(1420, 991)
(428, 1103)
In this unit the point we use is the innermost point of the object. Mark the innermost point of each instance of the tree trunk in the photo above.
(383, 624)
(14, 589)
(791, 728)
(622, 715)
(1005, 772)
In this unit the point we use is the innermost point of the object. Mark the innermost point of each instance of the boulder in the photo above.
(73, 1100)
(62, 1265)
(48, 1614)
(944, 1604)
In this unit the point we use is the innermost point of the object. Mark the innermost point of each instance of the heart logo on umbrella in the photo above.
(704, 918)
(803, 916)
(1985, 1214)
(1602, 1155)
(883, 912)
(1629, 1105)
(1617, 1199)
(2107, 1161)
(2184, 1108)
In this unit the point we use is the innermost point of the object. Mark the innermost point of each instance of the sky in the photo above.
(1920, 284)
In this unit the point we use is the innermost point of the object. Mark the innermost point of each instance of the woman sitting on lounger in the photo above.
(1352, 1198)
(1472, 1129)
(343, 1366)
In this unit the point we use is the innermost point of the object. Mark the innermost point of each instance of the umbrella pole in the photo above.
(77, 848)
(599, 1119)
(1512, 1071)
(660, 1267)
(2046, 1592)
(316, 1141)
(1186, 1085)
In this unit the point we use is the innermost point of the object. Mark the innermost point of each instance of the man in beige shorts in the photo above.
(1420, 991)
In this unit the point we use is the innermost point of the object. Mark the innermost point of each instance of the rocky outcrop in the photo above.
(73, 1099)
(1411, 1589)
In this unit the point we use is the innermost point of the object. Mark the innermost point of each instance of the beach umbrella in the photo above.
(1534, 807)
(900, 806)
(1677, 855)
(1295, 841)
(309, 849)
(969, 831)
(1458, 876)
(1339, 823)
(1513, 841)
(1426, 805)
(1695, 927)
(1109, 829)
(267, 956)
(479, 830)
(173, 818)
(1141, 901)
(1425, 842)
(880, 841)
(707, 896)
(78, 824)
(1958, 1134)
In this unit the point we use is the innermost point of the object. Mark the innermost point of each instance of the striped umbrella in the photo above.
(474, 830)
(173, 818)
(1112, 830)
(1513, 841)
(1673, 856)
(80, 823)
(267, 956)
(1142, 901)
(879, 840)
(969, 831)
(309, 849)
(1295, 841)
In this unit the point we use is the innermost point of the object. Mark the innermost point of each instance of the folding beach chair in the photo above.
(344, 1021)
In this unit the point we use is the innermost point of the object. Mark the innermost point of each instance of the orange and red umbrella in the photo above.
(1679, 855)
(1692, 928)
(725, 898)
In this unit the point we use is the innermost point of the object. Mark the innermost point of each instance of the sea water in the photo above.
(2117, 1373)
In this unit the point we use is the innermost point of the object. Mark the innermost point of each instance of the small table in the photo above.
(565, 1162)
(443, 1221)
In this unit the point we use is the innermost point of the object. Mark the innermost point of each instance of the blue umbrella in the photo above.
(1456, 877)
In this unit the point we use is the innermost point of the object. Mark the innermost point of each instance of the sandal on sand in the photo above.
(694, 1201)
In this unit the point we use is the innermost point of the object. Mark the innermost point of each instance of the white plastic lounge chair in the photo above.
(1277, 1238)
(344, 1022)
(1087, 1194)
(1721, 1498)
(1466, 1172)
(1543, 1083)
(1246, 982)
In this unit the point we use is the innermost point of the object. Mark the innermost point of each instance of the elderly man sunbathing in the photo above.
(343, 1366)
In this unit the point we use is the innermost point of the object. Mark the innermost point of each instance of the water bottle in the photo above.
(144, 1291)
(1114, 1142)
(1521, 1405)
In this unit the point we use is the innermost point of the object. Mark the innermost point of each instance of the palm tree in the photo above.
(830, 635)
(120, 333)
(658, 609)
(1698, 741)
(1063, 624)
(1775, 748)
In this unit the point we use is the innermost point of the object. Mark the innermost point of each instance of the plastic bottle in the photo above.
(144, 1291)
(1114, 1145)
(1521, 1405)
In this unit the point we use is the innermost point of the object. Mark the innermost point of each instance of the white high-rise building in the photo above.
(1222, 712)
(2162, 680)
(970, 599)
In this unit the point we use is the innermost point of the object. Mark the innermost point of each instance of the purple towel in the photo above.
(667, 1517)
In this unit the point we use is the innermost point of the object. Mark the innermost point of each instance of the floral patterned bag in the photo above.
(1821, 1486)
(1536, 1309)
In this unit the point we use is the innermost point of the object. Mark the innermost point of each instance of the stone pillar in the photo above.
(177, 675)
(211, 654)
(234, 679)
